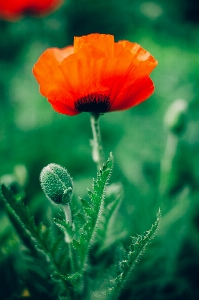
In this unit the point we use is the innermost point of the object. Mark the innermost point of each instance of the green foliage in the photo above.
(36, 238)
(108, 235)
(67, 257)
(131, 256)
(82, 239)
(93, 211)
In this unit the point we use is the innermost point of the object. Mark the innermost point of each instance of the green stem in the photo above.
(167, 162)
(68, 218)
(97, 152)
(67, 213)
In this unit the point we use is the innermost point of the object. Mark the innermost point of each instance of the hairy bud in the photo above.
(57, 184)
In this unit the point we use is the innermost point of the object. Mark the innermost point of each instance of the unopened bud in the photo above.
(175, 117)
(57, 184)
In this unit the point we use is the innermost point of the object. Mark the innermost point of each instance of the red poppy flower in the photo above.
(13, 9)
(97, 75)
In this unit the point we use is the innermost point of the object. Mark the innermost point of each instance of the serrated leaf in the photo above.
(56, 245)
(107, 234)
(79, 221)
(76, 245)
(85, 203)
(90, 193)
(55, 276)
(93, 209)
(18, 208)
(87, 208)
(64, 226)
(73, 277)
(41, 235)
(132, 255)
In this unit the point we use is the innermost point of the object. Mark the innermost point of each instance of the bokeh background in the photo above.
(33, 135)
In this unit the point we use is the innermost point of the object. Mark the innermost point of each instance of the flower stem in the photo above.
(167, 162)
(97, 152)
(68, 239)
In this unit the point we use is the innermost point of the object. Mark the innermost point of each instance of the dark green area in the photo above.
(32, 135)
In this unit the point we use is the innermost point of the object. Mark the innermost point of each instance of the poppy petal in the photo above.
(136, 93)
(62, 108)
(141, 59)
(47, 70)
(49, 60)
(101, 42)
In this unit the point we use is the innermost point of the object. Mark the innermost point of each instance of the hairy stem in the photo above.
(67, 213)
(68, 239)
(97, 152)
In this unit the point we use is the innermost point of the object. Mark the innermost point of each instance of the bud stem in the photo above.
(97, 151)
(67, 212)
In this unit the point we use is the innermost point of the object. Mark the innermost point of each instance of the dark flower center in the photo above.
(94, 103)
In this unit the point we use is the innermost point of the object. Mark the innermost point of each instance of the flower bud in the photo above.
(56, 184)
(175, 117)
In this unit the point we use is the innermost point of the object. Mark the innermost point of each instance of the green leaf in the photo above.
(73, 277)
(87, 208)
(64, 226)
(92, 210)
(76, 245)
(132, 255)
(42, 236)
(108, 233)
(18, 208)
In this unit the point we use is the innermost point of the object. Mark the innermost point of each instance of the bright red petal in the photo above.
(62, 108)
(48, 72)
(134, 94)
(142, 60)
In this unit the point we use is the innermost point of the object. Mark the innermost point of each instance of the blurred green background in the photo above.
(33, 135)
